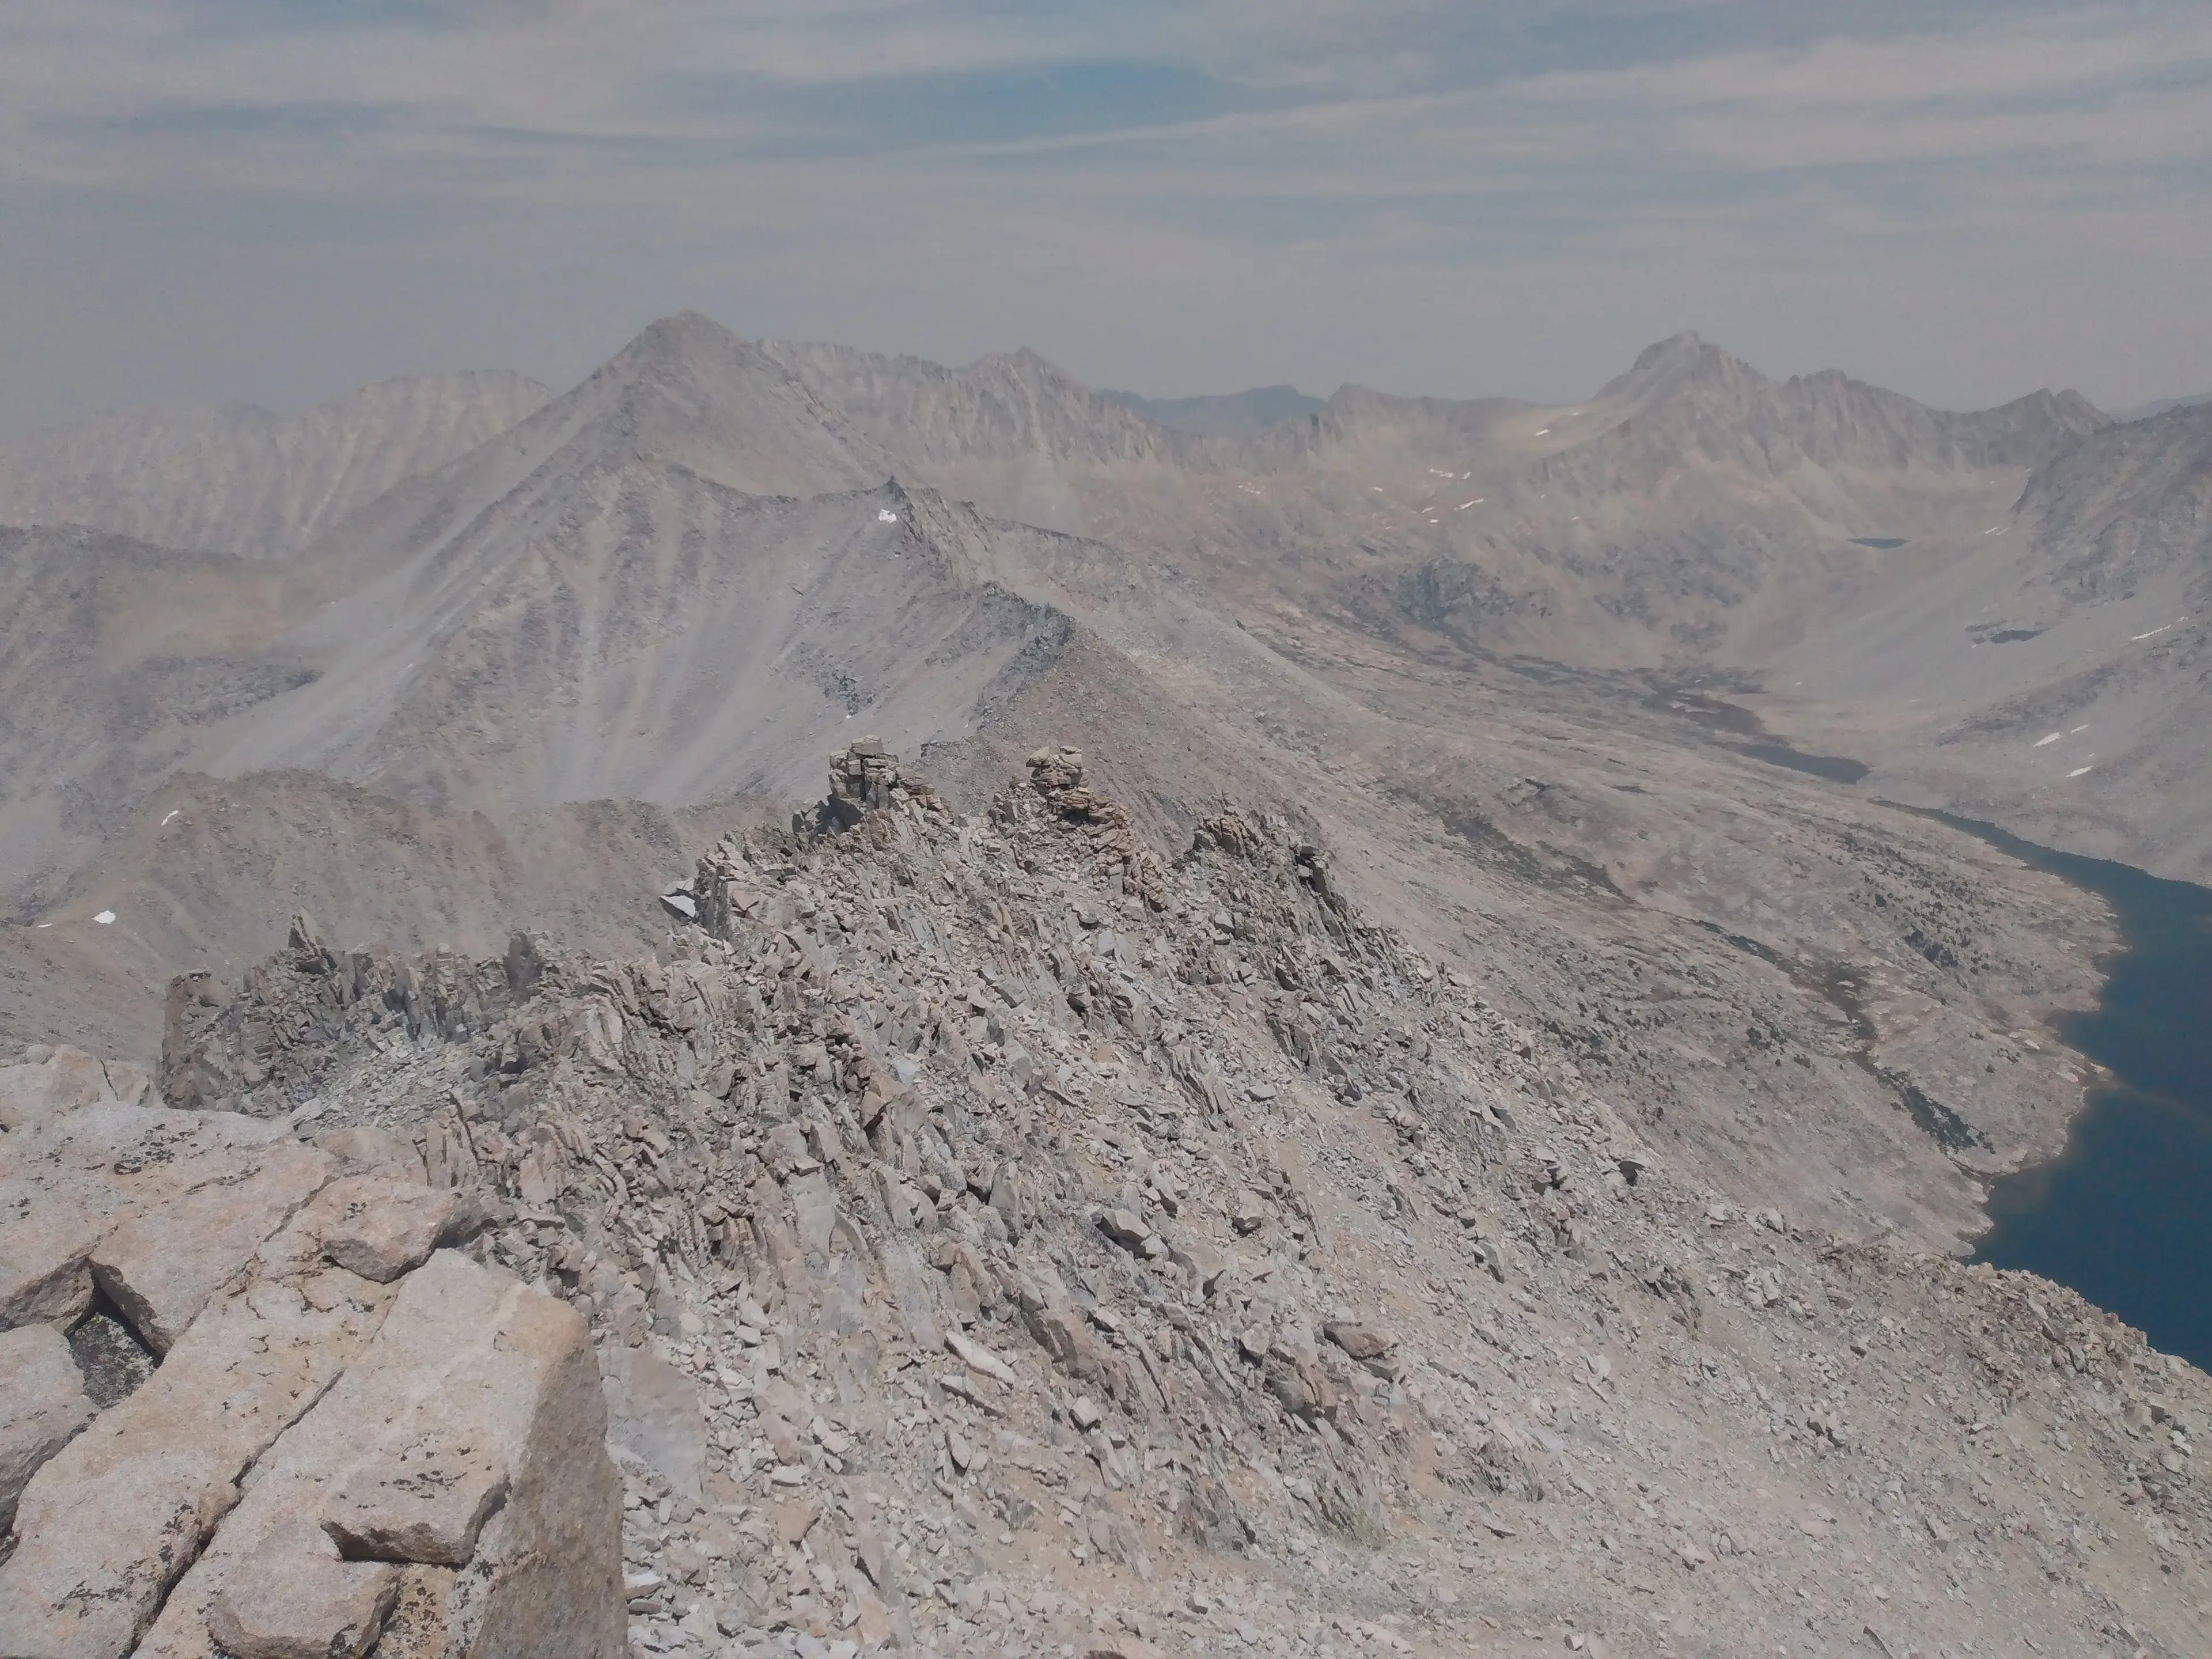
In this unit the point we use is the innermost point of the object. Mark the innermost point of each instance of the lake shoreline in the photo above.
(2122, 1211)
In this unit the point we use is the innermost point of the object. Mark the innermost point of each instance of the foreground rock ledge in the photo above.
(352, 1440)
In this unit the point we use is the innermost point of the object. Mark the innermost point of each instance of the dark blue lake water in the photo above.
(2123, 1214)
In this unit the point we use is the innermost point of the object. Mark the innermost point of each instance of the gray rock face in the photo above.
(42, 1403)
(654, 1418)
(30, 1094)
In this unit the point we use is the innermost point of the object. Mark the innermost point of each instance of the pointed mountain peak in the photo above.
(1691, 354)
(2076, 409)
(1671, 352)
(686, 337)
(1028, 364)
(694, 326)
(689, 390)
(1679, 363)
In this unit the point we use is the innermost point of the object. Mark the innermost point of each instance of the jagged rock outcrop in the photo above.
(218, 1042)
(991, 1230)
(862, 779)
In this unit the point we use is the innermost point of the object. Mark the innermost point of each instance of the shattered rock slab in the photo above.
(300, 1469)
(426, 1504)
(471, 1433)
(107, 1524)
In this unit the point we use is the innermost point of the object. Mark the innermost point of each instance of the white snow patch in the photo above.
(2079, 770)
(1994, 530)
(2154, 633)
(173, 811)
(2053, 738)
(1545, 432)
(2077, 731)
(884, 515)
(104, 917)
(1464, 505)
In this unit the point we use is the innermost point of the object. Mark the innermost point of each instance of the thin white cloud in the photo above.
(1363, 162)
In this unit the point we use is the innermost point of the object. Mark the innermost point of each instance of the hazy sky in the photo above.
(273, 200)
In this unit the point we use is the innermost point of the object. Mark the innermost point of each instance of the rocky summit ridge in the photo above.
(996, 1236)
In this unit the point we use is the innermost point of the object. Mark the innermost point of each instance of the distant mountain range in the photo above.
(2144, 411)
(467, 601)
(239, 479)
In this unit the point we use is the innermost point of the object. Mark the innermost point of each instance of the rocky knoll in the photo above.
(263, 1398)
(998, 1238)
